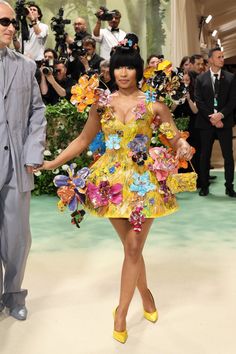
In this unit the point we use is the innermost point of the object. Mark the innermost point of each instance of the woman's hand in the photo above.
(183, 150)
(47, 165)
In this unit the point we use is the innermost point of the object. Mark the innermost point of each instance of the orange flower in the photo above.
(163, 139)
(84, 93)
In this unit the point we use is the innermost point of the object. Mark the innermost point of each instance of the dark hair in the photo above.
(212, 50)
(89, 40)
(52, 51)
(195, 57)
(117, 13)
(32, 4)
(158, 56)
(183, 61)
(129, 57)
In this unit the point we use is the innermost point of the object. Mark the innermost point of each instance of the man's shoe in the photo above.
(19, 312)
(204, 192)
(211, 178)
(230, 192)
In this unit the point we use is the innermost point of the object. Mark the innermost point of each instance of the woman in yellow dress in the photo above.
(122, 184)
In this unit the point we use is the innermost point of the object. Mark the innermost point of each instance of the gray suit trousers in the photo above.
(15, 240)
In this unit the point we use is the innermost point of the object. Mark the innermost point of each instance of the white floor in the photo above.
(72, 295)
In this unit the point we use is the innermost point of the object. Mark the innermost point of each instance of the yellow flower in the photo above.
(84, 93)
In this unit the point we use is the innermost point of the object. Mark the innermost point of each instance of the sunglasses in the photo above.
(5, 22)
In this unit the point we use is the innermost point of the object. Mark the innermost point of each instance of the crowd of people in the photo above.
(130, 195)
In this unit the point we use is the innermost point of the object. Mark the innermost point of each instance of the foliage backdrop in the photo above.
(149, 19)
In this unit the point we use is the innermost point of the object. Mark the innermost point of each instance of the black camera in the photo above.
(20, 9)
(77, 49)
(107, 15)
(58, 23)
(48, 67)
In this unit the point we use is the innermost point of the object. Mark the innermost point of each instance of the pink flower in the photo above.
(104, 193)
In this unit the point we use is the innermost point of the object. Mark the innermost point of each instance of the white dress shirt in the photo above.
(108, 40)
(34, 47)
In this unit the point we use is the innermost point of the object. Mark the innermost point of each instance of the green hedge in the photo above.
(64, 123)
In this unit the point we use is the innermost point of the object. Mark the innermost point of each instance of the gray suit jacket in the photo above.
(22, 118)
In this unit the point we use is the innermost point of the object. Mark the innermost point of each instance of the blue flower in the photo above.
(138, 144)
(151, 96)
(98, 144)
(141, 184)
(113, 142)
(112, 169)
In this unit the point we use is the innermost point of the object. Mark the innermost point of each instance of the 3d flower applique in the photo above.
(151, 96)
(107, 114)
(71, 188)
(104, 193)
(168, 130)
(104, 99)
(138, 147)
(139, 110)
(97, 146)
(165, 191)
(84, 93)
(137, 218)
(113, 142)
(141, 184)
(164, 162)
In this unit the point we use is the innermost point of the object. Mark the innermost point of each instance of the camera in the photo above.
(77, 49)
(107, 15)
(58, 26)
(48, 67)
(20, 9)
(58, 23)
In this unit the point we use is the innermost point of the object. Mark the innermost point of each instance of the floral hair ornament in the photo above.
(126, 43)
(85, 92)
(71, 190)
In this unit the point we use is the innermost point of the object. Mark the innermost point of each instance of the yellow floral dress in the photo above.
(122, 183)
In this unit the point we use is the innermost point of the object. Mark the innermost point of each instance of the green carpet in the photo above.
(204, 222)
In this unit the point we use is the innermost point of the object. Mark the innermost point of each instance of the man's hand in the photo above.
(215, 119)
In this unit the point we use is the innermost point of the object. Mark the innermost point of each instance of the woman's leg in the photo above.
(133, 262)
(121, 229)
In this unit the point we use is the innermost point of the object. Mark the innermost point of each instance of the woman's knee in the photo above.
(133, 251)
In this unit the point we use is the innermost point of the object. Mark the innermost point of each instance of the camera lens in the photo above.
(46, 70)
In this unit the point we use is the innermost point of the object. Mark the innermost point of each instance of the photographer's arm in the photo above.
(43, 84)
(59, 90)
(78, 145)
(96, 30)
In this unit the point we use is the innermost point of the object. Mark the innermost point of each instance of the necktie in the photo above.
(216, 84)
(216, 89)
(115, 29)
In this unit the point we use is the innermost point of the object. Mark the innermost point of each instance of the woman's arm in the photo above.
(182, 148)
(79, 144)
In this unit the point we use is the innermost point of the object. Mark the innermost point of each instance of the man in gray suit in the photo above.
(22, 138)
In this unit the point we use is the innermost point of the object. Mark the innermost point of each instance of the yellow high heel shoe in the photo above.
(119, 336)
(151, 316)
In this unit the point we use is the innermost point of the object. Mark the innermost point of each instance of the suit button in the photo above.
(5, 147)
(7, 121)
(5, 97)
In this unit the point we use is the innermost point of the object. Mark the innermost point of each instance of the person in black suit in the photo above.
(215, 95)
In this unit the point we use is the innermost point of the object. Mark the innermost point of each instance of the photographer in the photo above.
(80, 28)
(90, 60)
(55, 83)
(38, 32)
(108, 37)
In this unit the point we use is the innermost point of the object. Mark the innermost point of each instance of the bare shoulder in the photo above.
(160, 108)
